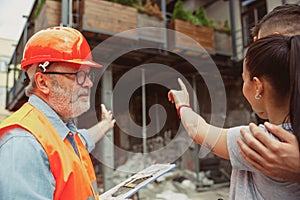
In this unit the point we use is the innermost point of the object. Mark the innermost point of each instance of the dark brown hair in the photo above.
(276, 58)
(283, 19)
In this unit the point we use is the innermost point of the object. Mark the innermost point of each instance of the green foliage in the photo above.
(179, 12)
(226, 26)
(131, 3)
(139, 6)
(201, 15)
(199, 18)
(147, 8)
(38, 8)
(185, 15)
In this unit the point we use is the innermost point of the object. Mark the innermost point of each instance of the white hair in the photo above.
(31, 70)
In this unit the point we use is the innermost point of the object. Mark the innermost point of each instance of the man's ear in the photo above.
(255, 38)
(259, 86)
(42, 82)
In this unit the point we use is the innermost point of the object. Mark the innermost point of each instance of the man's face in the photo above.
(67, 97)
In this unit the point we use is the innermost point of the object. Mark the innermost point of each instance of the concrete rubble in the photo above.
(176, 185)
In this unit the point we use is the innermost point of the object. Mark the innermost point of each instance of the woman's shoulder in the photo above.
(285, 126)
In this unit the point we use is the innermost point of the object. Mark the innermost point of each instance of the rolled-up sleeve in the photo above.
(87, 139)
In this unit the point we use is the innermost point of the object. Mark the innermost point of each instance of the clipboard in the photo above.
(136, 182)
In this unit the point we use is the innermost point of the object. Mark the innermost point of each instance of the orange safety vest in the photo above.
(75, 177)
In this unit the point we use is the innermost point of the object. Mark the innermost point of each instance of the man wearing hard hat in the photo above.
(42, 153)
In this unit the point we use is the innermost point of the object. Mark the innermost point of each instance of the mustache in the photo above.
(83, 92)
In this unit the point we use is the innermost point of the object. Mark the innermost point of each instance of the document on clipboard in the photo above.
(136, 182)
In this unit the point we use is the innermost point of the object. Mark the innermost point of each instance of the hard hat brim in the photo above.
(85, 62)
(75, 61)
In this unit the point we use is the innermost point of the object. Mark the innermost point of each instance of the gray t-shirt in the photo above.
(247, 183)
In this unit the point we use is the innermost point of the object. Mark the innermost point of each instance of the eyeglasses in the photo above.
(80, 75)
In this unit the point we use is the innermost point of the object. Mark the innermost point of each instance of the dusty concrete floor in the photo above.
(221, 193)
(170, 191)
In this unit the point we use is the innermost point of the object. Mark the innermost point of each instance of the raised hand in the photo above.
(100, 129)
(179, 97)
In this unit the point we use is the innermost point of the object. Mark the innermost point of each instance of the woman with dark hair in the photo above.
(271, 85)
(279, 159)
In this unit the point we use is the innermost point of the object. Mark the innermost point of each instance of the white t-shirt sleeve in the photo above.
(236, 159)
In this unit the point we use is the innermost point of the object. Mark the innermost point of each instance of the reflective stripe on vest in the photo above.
(75, 177)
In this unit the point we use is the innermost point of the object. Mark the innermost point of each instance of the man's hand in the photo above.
(107, 122)
(277, 159)
(179, 97)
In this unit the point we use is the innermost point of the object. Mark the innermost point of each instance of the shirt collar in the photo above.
(62, 128)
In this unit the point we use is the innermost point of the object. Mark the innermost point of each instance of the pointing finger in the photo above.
(103, 108)
(182, 85)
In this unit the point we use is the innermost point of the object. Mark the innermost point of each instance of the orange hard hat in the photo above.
(58, 44)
